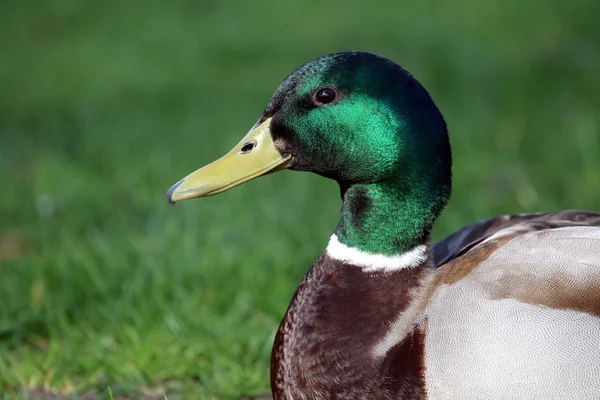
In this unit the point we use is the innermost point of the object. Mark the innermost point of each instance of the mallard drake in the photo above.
(507, 308)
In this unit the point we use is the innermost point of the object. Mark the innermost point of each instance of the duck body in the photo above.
(506, 308)
(497, 321)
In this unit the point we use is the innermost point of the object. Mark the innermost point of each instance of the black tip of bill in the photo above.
(170, 192)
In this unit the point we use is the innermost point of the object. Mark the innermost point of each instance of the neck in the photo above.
(387, 219)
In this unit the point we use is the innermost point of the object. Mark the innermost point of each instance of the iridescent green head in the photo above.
(376, 121)
(359, 119)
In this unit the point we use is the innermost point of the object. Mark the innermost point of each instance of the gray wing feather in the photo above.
(525, 322)
(465, 239)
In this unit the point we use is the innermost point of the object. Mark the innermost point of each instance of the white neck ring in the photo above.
(370, 262)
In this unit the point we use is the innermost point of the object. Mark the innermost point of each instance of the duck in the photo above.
(506, 308)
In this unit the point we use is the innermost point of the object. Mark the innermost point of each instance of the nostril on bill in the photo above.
(248, 147)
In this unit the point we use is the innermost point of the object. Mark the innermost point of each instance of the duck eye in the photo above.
(324, 96)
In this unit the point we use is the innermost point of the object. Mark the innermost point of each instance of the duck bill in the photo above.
(254, 156)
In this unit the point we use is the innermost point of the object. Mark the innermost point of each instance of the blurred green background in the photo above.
(106, 104)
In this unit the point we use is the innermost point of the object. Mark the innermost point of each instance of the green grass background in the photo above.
(104, 105)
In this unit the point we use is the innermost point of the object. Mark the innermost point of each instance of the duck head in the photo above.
(361, 120)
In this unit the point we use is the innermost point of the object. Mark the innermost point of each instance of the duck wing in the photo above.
(460, 242)
(515, 307)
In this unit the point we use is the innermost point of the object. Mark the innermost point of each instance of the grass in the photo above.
(106, 104)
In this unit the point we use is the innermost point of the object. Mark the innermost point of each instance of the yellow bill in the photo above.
(254, 156)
